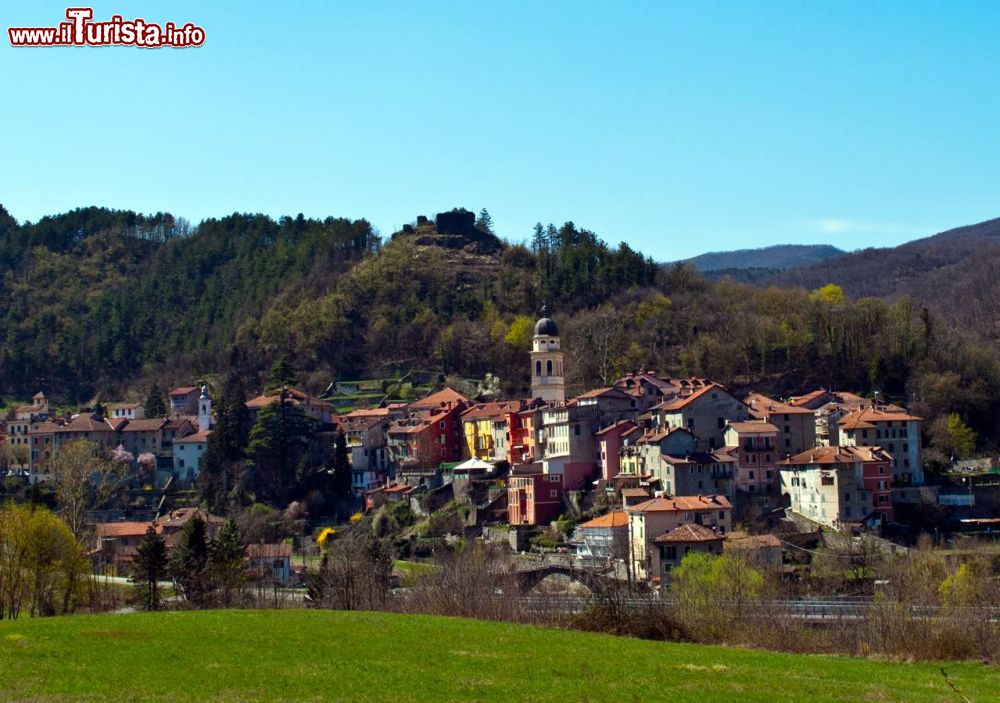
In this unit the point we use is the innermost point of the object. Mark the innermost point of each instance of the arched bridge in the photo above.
(529, 577)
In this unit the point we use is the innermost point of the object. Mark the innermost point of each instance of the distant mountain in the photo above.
(956, 273)
(778, 257)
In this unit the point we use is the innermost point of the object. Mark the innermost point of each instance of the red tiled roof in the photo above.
(183, 390)
(445, 396)
(844, 454)
(689, 533)
(753, 426)
(763, 407)
(668, 504)
(150, 425)
(753, 542)
(121, 529)
(199, 437)
(865, 418)
(613, 519)
(622, 425)
(685, 400)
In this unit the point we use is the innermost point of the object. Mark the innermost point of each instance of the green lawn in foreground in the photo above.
(321, 655)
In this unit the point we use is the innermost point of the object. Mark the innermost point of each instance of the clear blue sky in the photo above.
(678, 127)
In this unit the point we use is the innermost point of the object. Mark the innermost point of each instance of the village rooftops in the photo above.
(719, 456)
(654, 437)
(676, 504)
(112, 530)
(614, 519)
(866, 418)
(292, 396)
(734, 541)
(183, 390)
(691, 532)
(446, 397)
(830, 456)
(635, 493)
(199, 437)
(622, 425)
(753, 427)
(484, 411)
(683, 401)
(85, 422)
(151, 425)
(763, 407)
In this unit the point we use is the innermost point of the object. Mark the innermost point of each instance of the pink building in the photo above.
(755, 446)
(609, 444)
(535, 499)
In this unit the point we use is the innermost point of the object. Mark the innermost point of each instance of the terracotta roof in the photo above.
(600, 392)
(622, 425)
(667, 504)
(865, 418)
(181, 516)
(445, 396)
(808, 399)
(124, 406)
(845, 454)
(38, 396)
(753, 426)
(482, 411)
(763, 407)
(685, 400)
(183, 390)
(613, 519)
(292, 396)
(689, 533)
(85, 422)
(145, 425)
(268, 551)
(121, 529)
(198, 437)
(635, 493)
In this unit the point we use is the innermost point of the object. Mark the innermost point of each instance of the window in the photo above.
(751, 475)
(538, 368)
(553, 494)
(788, 442)
(722, 514)
(827, 480)
(690, 423)
(722, 422)
(548, 367)
(847, 497)
(576, 430)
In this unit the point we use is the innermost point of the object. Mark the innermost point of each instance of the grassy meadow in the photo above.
(306, 655)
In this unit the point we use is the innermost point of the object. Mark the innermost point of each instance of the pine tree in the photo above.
(222, 464)
(189, 564)
(274, 448)
(538, 241)
(282, 374)
(149, 567)
(485, 222)
(155, 406)
(228, 562)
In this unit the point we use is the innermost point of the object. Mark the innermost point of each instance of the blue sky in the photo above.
(678, 127)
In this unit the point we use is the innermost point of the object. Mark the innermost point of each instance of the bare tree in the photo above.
(85, 479)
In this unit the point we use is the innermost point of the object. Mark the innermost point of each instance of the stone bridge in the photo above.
(528, 578)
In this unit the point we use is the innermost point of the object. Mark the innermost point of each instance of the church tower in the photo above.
(204, 410)
(547, 362)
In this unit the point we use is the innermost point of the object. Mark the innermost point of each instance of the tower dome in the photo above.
(546, 327)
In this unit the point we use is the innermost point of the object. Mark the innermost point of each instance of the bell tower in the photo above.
(547, 380)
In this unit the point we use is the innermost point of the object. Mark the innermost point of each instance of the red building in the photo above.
(534, 499)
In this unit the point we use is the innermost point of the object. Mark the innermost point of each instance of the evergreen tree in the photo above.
(149, 568)
(282, 374)
(275, 447)
(155, 405)
(189, 564)
(538, 241)
(228, 562)
(485, 222)
(222, 464)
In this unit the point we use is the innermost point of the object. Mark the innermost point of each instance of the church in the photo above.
(547, 381)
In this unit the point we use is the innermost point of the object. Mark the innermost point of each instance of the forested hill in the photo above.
(778, 257)
(957, 273)
(99, 303)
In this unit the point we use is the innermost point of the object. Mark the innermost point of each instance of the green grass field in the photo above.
(320, 655)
